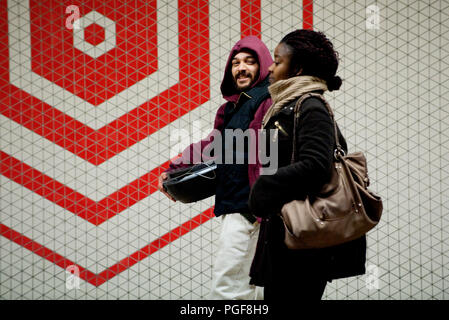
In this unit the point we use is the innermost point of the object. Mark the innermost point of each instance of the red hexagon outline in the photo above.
(97, 146)
(99, 87)
(248, 8)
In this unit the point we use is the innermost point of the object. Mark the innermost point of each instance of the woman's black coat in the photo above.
(315, 146)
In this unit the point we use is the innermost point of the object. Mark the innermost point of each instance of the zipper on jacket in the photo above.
(240, 95)
(276, 123)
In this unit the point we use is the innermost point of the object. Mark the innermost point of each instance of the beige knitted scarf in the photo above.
(285, 91)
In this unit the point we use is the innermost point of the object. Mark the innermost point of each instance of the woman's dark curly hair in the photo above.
(313, 52)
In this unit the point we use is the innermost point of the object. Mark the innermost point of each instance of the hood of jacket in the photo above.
(228, 90)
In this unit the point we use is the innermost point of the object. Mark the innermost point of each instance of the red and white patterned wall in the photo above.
(89, 112)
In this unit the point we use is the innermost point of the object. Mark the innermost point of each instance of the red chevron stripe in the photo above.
(84, 207)
(111, 272)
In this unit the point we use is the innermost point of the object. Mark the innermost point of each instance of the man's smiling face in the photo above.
(245, 70)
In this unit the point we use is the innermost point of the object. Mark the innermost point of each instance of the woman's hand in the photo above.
(160, 186)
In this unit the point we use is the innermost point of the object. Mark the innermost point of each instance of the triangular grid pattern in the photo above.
(392, 106)
(78, 190)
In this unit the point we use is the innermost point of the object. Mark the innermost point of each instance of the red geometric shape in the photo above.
(111, 272)
(94, 34)
(250, 15)
(134, 57)
(75, 202)
(94, 145)
(97, 146)
(307, 13)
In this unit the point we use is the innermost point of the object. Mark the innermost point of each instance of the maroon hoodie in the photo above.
(231, 94)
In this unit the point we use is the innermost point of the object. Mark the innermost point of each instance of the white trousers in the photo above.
(236, 247)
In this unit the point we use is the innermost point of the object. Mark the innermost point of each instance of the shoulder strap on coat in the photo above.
(298, 105)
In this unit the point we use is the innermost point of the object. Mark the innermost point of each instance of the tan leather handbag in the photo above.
(343, 210)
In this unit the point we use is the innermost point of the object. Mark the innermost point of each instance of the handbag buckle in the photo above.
(339, 153)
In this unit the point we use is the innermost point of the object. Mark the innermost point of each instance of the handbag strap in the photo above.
(338, 152)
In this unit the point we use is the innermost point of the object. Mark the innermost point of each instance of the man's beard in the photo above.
(242, 88)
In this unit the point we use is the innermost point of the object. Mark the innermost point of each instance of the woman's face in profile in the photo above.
(279, 70)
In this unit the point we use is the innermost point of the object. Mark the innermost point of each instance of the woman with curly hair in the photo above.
(304, 62)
